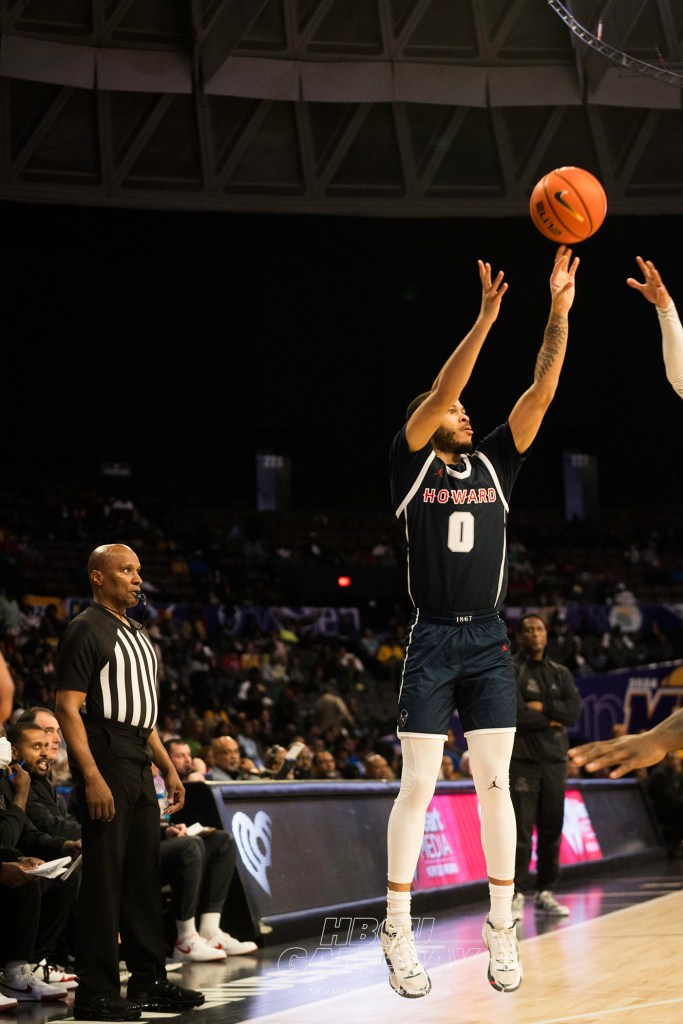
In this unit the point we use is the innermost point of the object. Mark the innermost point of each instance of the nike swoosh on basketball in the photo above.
(559, 196)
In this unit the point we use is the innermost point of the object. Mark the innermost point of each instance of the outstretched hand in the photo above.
(652, 288)
(562, 280)
(492, 291)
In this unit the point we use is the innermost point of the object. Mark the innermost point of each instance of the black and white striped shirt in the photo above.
(116, 666)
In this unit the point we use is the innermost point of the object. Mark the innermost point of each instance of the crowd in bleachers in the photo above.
(227, 673)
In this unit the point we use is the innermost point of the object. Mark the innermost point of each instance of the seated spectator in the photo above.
(185, 764)
(377, 767)
(56, 754)
(199, 870)
(38, 909)
(47, 811)
(45, 808)
(447, 771)
(303, 769)
(228, 763)
(324, 765)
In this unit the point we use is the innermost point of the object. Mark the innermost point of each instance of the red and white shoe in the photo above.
(7, 1004)
(231, 946)
(195, 950)
(55, 974)
(26, 986)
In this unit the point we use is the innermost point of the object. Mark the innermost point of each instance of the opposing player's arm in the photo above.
(456, 371)
(628, 753)
(527, 415)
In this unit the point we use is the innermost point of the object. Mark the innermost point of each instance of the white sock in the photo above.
(500, 914)
(398, 909)
(186, 929)
(210, 925)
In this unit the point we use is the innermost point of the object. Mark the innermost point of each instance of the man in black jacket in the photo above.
(38, 910)
(547, 701)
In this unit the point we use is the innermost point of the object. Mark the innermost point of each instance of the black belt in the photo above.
(455, 618)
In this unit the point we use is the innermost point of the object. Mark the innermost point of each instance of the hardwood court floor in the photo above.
(613, 961)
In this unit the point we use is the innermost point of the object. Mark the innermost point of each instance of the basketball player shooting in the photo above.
(452, 499)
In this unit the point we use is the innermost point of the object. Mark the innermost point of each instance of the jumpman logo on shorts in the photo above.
(494, 785)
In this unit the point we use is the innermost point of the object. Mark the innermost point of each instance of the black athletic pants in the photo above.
(121, 883)
(537, 792)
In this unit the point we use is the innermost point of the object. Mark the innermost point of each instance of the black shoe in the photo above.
(165, 997)
(104, 1007)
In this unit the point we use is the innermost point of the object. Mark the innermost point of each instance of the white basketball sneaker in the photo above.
(407, 976)
(505, 969)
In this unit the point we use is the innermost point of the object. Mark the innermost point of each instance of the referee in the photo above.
(107, 708)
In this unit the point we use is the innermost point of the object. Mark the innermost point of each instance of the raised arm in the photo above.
(527, 415)
(653, 289)
(455, 372)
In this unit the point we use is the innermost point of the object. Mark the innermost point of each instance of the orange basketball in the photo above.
(568, 205)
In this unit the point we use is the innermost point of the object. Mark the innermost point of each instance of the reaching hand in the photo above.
(652, 288)
(562, 280)
(492, 292)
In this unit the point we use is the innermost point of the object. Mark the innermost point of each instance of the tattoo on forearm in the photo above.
(554, 341)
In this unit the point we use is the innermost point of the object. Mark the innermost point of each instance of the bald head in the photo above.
(114, 572)
(102, 555)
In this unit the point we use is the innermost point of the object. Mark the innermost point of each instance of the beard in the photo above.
(444, 441)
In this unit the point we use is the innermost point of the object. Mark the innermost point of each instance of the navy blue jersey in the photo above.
(114, 665)
(455, 521)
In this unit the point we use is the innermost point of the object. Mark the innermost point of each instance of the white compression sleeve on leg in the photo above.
(422, 758)
(490, 754)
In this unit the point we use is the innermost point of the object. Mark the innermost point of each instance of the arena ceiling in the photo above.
(381, 108)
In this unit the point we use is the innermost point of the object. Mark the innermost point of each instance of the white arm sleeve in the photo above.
(672, 346)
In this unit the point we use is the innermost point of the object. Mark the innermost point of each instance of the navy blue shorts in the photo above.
(461, 664)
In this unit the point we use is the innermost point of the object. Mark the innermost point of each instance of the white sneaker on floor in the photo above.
(7, 1004)
(231, 946)
(25, 986)
(517, 904)
(546, 903)
(407, 976)
(195, 949)
(55, 974)
(505, 970)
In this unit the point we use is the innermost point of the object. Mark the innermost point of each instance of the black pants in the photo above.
(121, 881)
(537, 792)
(199, 870)
(34, 917)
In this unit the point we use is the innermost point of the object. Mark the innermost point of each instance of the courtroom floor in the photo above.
(280, 983)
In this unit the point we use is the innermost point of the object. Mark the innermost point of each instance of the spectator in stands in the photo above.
(199, 870)
(45, 718)
(38, 911)
(331, 710)
(448, 772)
(324, 765)
(229, 764)
(189, 768)
(47, 811)
(653, 289)
(377, 767)
(457, 578)
(304, 764)
(46, 808)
